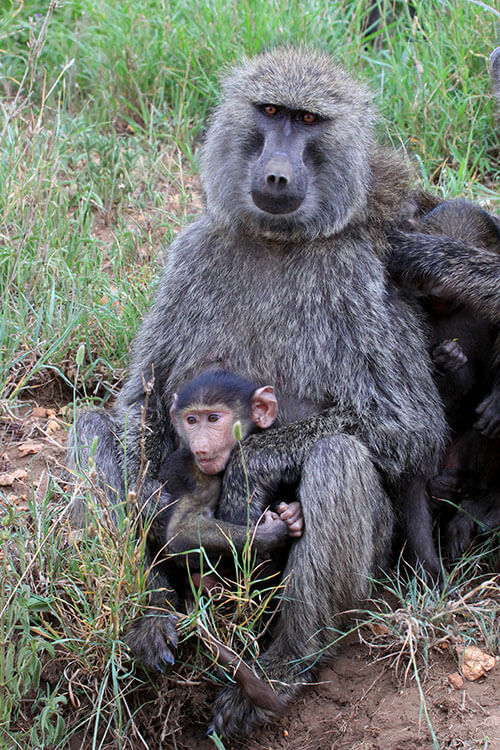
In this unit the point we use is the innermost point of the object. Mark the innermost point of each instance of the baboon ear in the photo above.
(173, 410)
(264, 406)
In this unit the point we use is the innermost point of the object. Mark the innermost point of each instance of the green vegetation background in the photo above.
(102, 106)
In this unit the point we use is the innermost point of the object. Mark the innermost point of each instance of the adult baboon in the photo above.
(282, 279)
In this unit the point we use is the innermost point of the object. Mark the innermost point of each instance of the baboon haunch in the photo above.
(282, 279)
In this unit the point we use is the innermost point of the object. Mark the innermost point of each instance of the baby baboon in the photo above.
(204, 413)
(283, 279)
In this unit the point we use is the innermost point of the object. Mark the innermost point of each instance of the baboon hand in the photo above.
(291, 514)
(458, 534)
(488, 411)
(152, 639)
(449, 356)
(271, 532)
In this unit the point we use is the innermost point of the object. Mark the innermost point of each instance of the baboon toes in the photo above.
(152, 639)
(234, 715)
(458, 535)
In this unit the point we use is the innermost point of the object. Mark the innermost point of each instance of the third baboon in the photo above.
(283, 280)
(465, 348)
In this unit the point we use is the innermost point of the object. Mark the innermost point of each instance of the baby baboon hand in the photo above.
(152, 638)
(291, 514)
(449, 356)
(271, 532)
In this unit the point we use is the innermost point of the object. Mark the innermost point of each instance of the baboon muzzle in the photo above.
(278, 186)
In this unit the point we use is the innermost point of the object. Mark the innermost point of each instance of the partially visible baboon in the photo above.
(460, 269)
(468, 274)
(465, 348)
(283, 280)
(495, 73)
(378, 10)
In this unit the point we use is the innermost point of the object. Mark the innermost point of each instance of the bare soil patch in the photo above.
(359, 703)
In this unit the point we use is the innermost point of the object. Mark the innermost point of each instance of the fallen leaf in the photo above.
(52, 426)
(378, 629)
(29, 448)
(9, 477)
(39, 412)
(474, 663)
(66, 410)
(456, 680)
(51, 412)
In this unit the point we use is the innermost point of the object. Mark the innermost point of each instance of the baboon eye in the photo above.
(270, 109)
(190, 419)
(309, 118)
(213, 417)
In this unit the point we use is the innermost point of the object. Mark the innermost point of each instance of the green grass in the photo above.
(102, 108)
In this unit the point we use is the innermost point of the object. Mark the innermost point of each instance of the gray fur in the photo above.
(495, 73)
(301, 301)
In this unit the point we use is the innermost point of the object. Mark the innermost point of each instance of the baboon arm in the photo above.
(472, 274)
(275, 457)
(218, 537)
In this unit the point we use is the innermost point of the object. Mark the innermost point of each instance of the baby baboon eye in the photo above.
(213, 417)
(190, 419)
(309, 118)
(270, 109)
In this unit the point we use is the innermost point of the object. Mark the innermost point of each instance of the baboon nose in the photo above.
(276, 187)
(278, 172)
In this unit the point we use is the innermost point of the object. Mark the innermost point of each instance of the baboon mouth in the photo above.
(276, 204)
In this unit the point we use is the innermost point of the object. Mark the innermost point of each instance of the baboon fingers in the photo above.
(488, 411)
(291, 513)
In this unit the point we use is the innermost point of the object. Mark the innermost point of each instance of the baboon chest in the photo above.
(309, 325)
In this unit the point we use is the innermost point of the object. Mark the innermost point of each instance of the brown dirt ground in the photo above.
(359, 703)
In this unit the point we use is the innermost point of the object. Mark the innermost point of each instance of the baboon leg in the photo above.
(480, 514)
(106, 459)
(416, 524)
(348, 529)
(153, 636)
(495, 72)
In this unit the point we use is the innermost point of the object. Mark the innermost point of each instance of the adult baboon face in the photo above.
(287, 151)
(279, 177)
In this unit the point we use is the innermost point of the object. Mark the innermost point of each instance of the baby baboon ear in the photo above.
(264, 406)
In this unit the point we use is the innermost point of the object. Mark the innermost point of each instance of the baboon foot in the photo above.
(152, 639)
(458, 534)
(234, 715)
